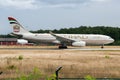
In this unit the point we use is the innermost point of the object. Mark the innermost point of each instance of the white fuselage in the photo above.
(90, 39)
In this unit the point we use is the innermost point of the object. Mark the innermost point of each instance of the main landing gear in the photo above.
(102, 46)
(62, 46)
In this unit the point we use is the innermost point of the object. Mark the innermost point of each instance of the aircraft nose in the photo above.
(112, 40)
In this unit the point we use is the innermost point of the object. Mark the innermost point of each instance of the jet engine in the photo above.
(22, 41)
(79, 44)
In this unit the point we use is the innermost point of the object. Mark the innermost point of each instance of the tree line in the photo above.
(113, 32)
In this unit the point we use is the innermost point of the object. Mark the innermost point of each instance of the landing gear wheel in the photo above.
(63, 46)
(102, 46)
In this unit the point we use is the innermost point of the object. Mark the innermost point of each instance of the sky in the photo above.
(57, 14)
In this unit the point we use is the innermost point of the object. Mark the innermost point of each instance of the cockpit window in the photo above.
(109, 37)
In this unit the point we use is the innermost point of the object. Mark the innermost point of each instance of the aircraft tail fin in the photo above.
(17, 28)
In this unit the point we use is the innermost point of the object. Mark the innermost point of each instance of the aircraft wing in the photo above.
(62, 39)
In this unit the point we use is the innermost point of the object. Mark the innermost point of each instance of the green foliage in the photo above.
(9, 36)
(34, 75)
(11, 67)
(88, 77)
(107, 57)
(23, 77)
(52, 77)
(20, 57)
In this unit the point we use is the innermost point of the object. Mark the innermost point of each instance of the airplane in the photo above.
(78, 40)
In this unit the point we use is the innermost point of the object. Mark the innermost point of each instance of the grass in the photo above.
(75, 63)
(11, 67)
(20, 57)
(88, 77)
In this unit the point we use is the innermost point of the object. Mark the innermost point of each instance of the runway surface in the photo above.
(81, 49)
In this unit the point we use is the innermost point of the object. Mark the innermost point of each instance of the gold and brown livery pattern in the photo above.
(16, 28)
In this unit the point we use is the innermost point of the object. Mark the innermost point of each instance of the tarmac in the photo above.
(81, 49)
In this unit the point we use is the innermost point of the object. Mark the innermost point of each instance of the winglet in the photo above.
(52, 33)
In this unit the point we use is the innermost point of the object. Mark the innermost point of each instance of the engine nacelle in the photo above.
(79, 44)
(22, 41)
